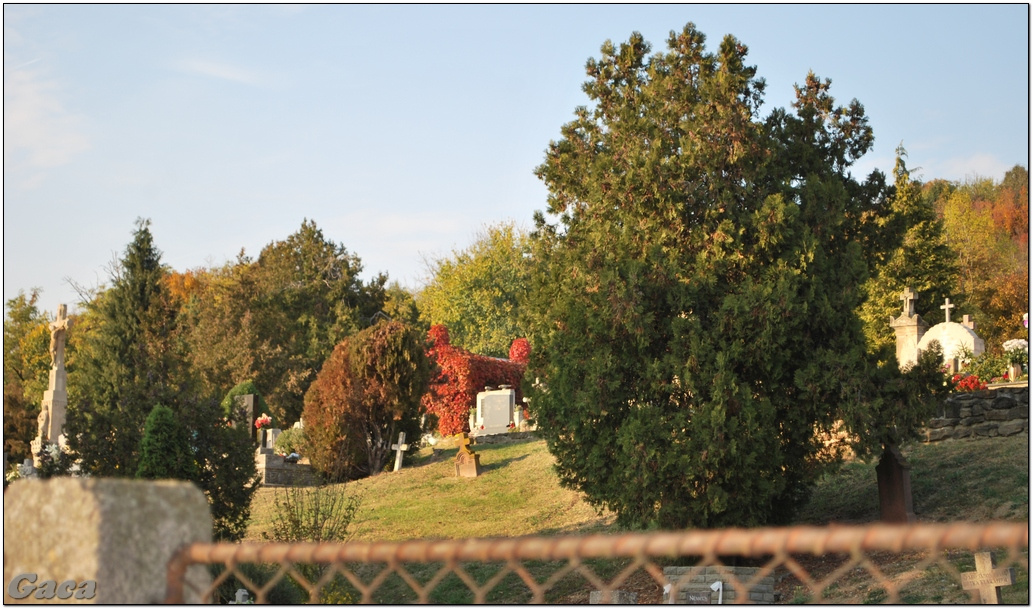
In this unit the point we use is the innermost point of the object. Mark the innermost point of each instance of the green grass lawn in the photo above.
(518, 493)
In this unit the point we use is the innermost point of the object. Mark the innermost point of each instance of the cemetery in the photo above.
(690, 355)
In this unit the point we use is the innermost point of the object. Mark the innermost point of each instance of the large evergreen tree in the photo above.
(129, 362)
(693, 297)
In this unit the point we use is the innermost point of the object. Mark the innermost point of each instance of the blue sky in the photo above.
(403, 130)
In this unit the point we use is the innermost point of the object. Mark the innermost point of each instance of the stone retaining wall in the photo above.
(697, 580)
(1002, 411)
(509, 436)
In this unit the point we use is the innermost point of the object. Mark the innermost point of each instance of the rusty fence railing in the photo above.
(878, 563)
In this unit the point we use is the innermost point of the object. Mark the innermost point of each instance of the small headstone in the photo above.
(271, 437)
(617, 597)
(241, 597)
(894, 476)
(468, 463)
(987, 579)
(399, 449)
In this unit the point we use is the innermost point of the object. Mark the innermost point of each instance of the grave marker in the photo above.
(987, 579)
(468, 463)
(894, 477)
(399, 448)
(494, 413)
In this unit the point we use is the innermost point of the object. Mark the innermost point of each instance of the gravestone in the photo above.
(468, 463)
(894, 476)
(51, 421)
(494, 412)
(988, 579)
(399, 449)
(246, 402)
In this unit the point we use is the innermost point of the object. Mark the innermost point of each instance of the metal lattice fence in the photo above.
(879, 563)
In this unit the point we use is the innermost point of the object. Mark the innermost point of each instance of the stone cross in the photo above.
(968, 323)
(909, 298)
(399, 449)
(947, 306)
(987, 579)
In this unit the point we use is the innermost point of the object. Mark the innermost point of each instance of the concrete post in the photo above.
(110, 538)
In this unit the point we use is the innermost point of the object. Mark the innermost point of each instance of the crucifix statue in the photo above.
(58, 332)
(51, 421)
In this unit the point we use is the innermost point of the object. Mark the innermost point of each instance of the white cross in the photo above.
(988, 579)
(399, 449)
(947, 306)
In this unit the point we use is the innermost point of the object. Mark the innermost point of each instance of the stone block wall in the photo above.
(699, 579)
(1002, 411)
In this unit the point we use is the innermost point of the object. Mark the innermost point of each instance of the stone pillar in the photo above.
(118, 534)
(910, 328)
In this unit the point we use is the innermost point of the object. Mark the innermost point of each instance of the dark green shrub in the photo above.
(165, 448)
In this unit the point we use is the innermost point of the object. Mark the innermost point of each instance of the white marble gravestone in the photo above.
(494, 412)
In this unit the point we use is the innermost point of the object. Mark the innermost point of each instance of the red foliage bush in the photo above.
(520, 351)
(463, 374)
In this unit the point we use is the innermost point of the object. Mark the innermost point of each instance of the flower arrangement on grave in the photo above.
(1017, 351)
(968, 382)
(462, 375)
(263, 421)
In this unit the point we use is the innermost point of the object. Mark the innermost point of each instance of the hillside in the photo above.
(519, 493)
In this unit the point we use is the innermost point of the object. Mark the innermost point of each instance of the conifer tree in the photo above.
(165, 451)
(129, 362)
(695, 286)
